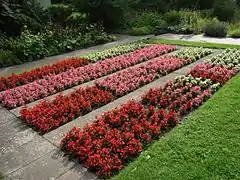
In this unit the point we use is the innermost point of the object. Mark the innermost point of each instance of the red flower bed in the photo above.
(49, 115)
(130, 79)
(180, 96)
(38, 73)
(217, 73)
(55, 83)
(117, 137)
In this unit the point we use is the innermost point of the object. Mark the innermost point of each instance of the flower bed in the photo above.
(115, 51)
(182, 95)
(117, 137)
(103, 147)
(130, 79)
(218, 74)
(229, 58)
(38, 73)
(192, 53)
(50, 114)
(55, 83)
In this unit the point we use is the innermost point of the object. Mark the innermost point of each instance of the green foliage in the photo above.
(186, 21)
(225, 9)
(52, 40)
(76, 18)
(152, 19)
(234, 30)
(216, 28)
(16, 14)
(108, 11)
(142, 23)
(7, 58)
(60, 12)
(172, 17)
(139, 31)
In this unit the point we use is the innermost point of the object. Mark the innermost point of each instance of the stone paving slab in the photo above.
(18, 139)
(49, 166)
(78, 172)
(16, 158)
(56, 135)
(5, 116)
(10, 128)
(123, 39)
(199, 38)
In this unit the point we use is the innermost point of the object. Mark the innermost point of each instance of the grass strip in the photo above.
(190, 43)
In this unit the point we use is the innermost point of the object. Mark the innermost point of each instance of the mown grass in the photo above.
(205, 146)
(189, 43)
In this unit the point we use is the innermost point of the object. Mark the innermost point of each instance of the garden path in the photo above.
(199, 38)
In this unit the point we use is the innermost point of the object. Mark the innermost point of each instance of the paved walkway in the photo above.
(199, 38)
(122, 39)
(26, 155)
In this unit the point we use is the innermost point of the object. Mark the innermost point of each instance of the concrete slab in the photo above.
(18, 139)
(78, 172)
(49, 166)
(11, 127)
(18, 157)
(5, 116)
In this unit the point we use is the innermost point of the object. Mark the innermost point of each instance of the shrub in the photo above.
(54, 39)
(216, 28)
(225, 9)
(172, 17)
(186, 21)
(76, 19)
(60, 12)
(7, 58)
(144, 19)
(138, 31)
(234, 33)
(30, 46)
(234, 30)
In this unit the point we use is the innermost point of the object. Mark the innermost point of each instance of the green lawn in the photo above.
(188, 43)
(206, 146)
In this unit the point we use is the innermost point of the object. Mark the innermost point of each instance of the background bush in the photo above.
(234, 30)
(216, 28)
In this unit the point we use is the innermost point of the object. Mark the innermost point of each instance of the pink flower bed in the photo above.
(55, 83)
(130, 79)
